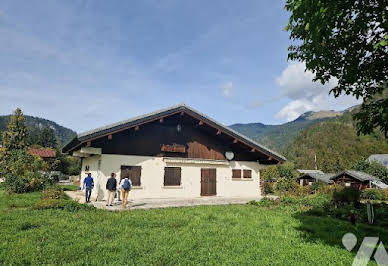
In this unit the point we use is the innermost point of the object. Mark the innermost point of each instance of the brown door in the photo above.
(208, 182)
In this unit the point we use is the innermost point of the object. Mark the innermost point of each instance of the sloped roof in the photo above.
(379, 184)
(306, 171)
(380, 158)
(44, 153)
(115, 127)
(318, 176)
(361, 176)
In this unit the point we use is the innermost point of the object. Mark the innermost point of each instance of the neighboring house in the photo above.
(379, 158)
(306, 171)
(176, 152)
(310, 178)
(357, 179)
(44, 153)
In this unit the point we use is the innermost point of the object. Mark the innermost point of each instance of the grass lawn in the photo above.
(234, 234)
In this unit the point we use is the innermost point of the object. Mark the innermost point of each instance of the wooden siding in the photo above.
(197, 141)
(343, 179)
(173, 148)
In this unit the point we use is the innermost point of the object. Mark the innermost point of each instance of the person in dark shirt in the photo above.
(111, 186)
(88, 186)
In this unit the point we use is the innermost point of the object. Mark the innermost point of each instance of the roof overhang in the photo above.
(364, 178)
(107, 131)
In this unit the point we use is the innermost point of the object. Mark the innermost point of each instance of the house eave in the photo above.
(136, 121)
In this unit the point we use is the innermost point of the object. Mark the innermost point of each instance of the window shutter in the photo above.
(133, 173)
(247, 173)
(236, 173)
(172, 176)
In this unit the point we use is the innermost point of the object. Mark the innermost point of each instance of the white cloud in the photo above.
(296, 83)
(306, 95)
(227, 89)
(294, 109)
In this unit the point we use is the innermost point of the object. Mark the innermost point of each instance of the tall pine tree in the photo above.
(15, 137)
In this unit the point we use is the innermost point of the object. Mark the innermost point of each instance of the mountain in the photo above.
(279, 137)
(331, 136)
(335, 144)
(320, 115)
(62, 134)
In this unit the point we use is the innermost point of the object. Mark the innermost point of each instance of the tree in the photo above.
(34, 134)
(23, 172)
(346, 40)
(372, 168)
(47, 138)
(373, 114)
(15, 137)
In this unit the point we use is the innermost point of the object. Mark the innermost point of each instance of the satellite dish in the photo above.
(229, 155)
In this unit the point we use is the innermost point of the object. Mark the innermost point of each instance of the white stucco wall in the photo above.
(152, 175)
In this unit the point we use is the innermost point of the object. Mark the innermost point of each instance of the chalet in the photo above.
(176, 152)
(311, 177)
(357, 179)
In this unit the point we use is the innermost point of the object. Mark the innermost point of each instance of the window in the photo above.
(172, 176)
(247, 174)
(133, 173)
(236, 173)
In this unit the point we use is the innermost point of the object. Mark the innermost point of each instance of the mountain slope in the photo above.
(62, 134)
(336, 145)
(279, 137)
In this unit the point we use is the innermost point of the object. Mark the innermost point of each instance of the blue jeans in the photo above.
(88, 192)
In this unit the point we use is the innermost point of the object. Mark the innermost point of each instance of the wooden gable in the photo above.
(174, 132)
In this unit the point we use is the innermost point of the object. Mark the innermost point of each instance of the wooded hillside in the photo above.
(279, 137)
(36, 124)
(336, 145)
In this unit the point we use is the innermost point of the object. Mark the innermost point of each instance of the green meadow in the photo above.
(232, 234)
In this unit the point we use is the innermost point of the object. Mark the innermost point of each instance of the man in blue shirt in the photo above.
(88, 186)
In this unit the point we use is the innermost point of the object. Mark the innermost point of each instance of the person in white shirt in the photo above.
(125, 186)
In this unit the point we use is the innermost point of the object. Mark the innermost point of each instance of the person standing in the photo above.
(125, 185)
(111, 186)
(88, 186)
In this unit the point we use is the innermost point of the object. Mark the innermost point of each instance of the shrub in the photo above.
(23, 172)
(287, 170)
(268, 188)
(373, 194)
(347, 195)
(263, 202)
(285, 184)
(270, 172)
(312, 200)
(300, 191)
(328, 189)
(53, 192)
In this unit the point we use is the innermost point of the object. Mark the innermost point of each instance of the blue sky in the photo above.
(87, 63)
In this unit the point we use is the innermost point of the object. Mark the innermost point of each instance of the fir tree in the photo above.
(15, 137)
